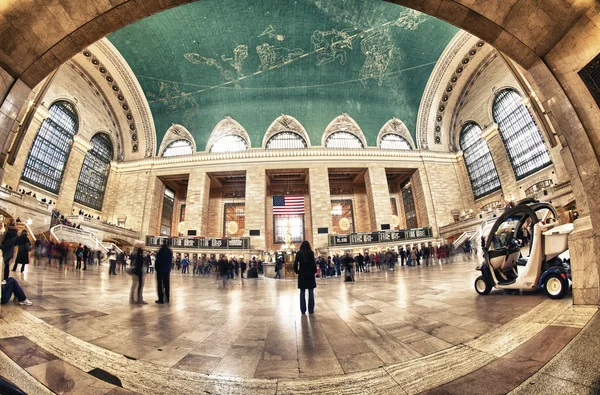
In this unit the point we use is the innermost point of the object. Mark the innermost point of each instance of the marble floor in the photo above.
(412, 330)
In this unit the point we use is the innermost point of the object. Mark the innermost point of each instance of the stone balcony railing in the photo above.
(96, 224)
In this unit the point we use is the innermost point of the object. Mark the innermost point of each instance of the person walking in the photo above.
(164, 261)
(112, 260)
(223, 270)
(137, 280)
(278, 268)
(305, 268)
(79, 256)
(24, 246)
(86, 254)
(8, 248)
(185, 263)
(402, 254)
(243, 267)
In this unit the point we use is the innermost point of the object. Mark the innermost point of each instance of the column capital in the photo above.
(490, 131)
(82, 143)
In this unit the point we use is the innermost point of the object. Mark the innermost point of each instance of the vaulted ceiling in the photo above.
(256, 59)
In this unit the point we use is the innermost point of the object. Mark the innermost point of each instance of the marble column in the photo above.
(501, 160)
(66, 194)
(423, 199)
(584, 268)
(196, 204)
(320, 206)
(378, 197)
(256, 200)
(152, 207)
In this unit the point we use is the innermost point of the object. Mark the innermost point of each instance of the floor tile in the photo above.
(24, 352)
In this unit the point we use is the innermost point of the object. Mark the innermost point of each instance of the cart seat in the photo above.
(511, 259)
(522, 261)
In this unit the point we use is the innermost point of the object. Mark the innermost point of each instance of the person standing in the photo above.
(137, 280)
(24, 246)
(223, 269)
(78, 256)
(185, 263)
(8, 248)
(86, 253)
(305, 268)
(242, 267)
(361, 262)
(164, 261)
(112, 260)
(402, 254)
(278, 268)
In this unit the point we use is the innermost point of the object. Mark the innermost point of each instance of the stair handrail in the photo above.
(91, 235)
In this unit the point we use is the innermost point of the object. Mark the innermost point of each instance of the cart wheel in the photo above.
(481, 286)
(555, 286)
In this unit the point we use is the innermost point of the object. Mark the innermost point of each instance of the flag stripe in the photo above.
(283, 205)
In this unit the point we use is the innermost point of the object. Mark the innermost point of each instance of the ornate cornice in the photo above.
(289, 154)
(105, 102)
(138, 102)
(343, 123)
(435, 81)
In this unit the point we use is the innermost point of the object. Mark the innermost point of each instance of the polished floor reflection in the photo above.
(412, 329)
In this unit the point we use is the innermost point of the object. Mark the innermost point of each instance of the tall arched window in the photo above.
(50, 150)
(394, 141)
(94, 172)
(286, 140)
(343, 140)
(478, 159)
(178, 148)
(229, 143)
(520, 133)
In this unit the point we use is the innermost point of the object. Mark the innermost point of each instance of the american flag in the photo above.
(288, 205)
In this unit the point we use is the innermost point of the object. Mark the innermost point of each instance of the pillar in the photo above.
(320, 206)
(256, 200)
(501, 160)
(424, 204)
(152, 213)
(12, 173)
(196, 204)
(66, 194)
(378, 197)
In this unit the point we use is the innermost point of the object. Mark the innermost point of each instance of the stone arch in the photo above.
(174, 133)
(396, 126)
(228, 126)
(285, 123)
(344, 123)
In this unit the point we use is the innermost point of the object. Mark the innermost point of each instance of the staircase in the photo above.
(461, 239)
(73, 235)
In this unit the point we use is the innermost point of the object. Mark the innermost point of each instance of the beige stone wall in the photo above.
(362, 217)
(320, 205)
(256, 204)
(422, 201)
(380, 209)
(446, 194)
(198, 201)
(215, 212)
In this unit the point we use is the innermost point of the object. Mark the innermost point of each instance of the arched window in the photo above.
(520, 133)
(178, 148)
(94, 172)
(478, 159)
(286, 140)
(229, 143)
(50, 150)
(343, 140)
(394, 141)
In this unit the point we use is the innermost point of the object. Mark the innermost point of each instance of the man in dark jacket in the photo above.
(164, 260)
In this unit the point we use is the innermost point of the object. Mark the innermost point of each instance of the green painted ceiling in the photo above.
(256, 59)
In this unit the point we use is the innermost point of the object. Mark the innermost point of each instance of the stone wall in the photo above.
(361, 209)
(380, 210)
(320, 205)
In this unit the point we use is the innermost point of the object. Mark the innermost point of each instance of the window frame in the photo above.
(343, 132)
(170, 145)
(401, 140)
(520, 134)
(220, 138)
(297, 136)
(91, 163)
(51, 148)
(479, 171)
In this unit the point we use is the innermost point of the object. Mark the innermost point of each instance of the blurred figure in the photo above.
(79, 256)
(24, 246)
(86, 254)
(137, 279)
(223, 269)
(8, 248)
(112, 260)
(164, 261)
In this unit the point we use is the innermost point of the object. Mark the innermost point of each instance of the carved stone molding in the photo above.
(285, 123)
(395, 126)
(343, 123)
(174, 133)
(137, 105)
(117, 131)
(227, 126)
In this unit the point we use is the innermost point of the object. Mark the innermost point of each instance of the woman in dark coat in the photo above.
(305, 267)
(8, 248)
(23, 251)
